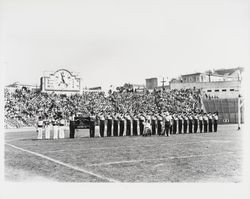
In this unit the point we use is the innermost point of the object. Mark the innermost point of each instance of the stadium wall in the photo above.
(227, 109)
(221, 89)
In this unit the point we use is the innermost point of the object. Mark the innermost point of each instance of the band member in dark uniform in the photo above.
(190, 123)
(153, 119)
(102, 125)
(200, 122)
(175, 119)
(205, 120)
(215, 117)
(180, 123)
(135, 125)
(92, 125)
(195, 123)
(210, 122)
(121, 119)
(159, 128)
(167, 124)
(115, 130)
(128, 125)
(109, 126)
(171, 124)
(185, 123)
(141, 126)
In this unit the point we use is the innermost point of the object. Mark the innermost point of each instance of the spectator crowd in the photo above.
(23, 106)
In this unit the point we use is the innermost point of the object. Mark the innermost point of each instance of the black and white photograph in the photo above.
(125, 92)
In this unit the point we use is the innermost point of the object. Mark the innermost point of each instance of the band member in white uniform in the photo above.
(55, 128)
(40, 125)
(47, 129)
(61, 128)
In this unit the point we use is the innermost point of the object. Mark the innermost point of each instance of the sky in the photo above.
(110, 42)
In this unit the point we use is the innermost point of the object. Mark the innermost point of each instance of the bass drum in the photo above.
(147, 132)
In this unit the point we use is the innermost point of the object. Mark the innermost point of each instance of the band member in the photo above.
(121, 119)
(153, 120)
(159, 125)
(147, 128)
(92, 125)
(200, 122)
(171, 124)
(128, 125)
(210, 122)
(135, 125)
(47, 128)
(61, 127)
(205, 120)
(215, 117)
(55, 127)
(195, 123)
(167, 124)
(115, 130)
(185, 123)
(40, 125)
(109, 126)
(175, 119)
(180, 123)
(102, 124)
(190, 123)
(141, 120)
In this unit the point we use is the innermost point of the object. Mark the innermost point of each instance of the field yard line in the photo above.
(64, 164)
(149, 160)
(114, 147)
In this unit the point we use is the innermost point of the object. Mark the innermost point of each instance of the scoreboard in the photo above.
(61, 80)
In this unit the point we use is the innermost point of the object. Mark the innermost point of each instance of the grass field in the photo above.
(201, 157)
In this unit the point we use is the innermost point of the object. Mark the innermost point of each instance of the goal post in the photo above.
(240, 104)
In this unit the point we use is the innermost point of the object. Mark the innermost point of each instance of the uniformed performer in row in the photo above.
(109, 125)
(185, 125)
(195, 119)
(121, 122)
(175, 120)
(115, 125)
(40, 125)
(135, 125)
(190, 123)
(159, 124)
(215, 117)
(47, 124)
(55, 124)
(200, 122)
(205, 121)
(180, 121)
(92, 118)
(128, 125)
(171, 124)
(61, 127)
(102, 124)
(153, 121)
(141, 125)
(167, 124)
(210, 122)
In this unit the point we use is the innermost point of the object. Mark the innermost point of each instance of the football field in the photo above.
(197, 157)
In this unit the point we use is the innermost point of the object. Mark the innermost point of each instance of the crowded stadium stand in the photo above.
(23, 106)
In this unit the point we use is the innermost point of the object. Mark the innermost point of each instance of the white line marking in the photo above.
(64, 164)
(137, 146)
(153, 159)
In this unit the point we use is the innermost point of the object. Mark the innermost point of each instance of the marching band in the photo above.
(164, 124)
